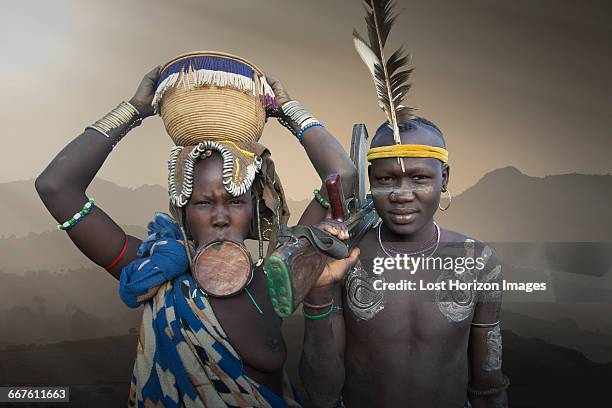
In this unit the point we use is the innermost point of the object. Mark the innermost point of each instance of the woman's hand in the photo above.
(143, 97)
(280, 93)
(335, 269)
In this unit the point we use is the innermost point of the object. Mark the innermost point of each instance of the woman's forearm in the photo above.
(76, 165)
(63, 183)
(328, 156)
(324, 151)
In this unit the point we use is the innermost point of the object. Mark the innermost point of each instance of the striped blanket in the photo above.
(184, 358)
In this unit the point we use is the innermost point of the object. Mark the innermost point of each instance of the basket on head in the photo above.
(207, 95)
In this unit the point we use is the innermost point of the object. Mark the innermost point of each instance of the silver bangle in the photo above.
(124, 114)
(295, 114)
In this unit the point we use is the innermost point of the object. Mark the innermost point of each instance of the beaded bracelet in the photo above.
(321, 316)
(299, 133)
(324, 203)
(76, 218)
(287, 125)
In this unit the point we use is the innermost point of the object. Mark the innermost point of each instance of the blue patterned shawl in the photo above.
(184, 358)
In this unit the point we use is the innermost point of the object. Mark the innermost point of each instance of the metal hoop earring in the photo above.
(450, 199)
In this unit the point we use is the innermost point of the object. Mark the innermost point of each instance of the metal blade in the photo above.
(359, 148)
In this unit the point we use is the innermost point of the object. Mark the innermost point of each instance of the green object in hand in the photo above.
(279, 286)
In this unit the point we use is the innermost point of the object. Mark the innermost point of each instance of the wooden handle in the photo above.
(336, 196)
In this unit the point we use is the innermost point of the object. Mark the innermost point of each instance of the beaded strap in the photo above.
(76, 218)
(287, 125)
(324, 203)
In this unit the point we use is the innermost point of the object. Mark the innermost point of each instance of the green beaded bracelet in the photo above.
(321, 316)
(324, 203)
(76, 218)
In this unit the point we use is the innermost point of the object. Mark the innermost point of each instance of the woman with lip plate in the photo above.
(209, 336)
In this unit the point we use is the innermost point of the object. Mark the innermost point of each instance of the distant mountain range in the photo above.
(22, 212)
(507, 205)
(596, 346)
(30, 240)
(504, 205)
(47, 251)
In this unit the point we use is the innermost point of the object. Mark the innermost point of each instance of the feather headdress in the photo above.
(390, 75)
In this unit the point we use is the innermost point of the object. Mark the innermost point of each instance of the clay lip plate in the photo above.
(223, 268)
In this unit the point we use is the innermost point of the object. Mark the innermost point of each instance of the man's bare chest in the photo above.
(427, 303)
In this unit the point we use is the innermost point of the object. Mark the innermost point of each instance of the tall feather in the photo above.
(390, 75)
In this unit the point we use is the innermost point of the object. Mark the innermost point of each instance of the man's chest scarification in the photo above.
(362, 298)
(454, 304)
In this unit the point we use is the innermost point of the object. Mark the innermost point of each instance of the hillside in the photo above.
(507, 205)
(22, 212)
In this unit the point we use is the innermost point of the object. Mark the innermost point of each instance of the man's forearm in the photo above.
(321, 364)
(321, 369)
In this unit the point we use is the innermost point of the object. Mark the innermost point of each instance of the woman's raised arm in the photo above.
(62, 185)
(324, 151)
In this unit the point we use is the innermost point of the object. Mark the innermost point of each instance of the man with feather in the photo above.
(392, 348)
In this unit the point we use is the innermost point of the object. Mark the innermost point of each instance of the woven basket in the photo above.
(194, 113)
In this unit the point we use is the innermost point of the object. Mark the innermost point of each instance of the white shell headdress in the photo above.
(239, 168)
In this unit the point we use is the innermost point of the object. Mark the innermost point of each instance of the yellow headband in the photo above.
(408, 150)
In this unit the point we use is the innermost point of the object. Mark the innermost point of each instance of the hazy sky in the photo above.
(524, 84)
